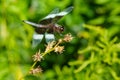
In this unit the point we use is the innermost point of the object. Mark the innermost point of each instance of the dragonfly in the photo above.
(48, 25)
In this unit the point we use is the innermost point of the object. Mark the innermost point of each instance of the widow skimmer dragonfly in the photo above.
(48, 25)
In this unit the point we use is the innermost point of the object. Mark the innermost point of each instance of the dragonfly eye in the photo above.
(62, 29)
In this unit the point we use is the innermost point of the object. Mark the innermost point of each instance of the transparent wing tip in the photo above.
(55, 11)
(69, 9)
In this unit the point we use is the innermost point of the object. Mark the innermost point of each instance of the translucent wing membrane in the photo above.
(66, 11)
(55, 11)
(61, 14)
(48, 18)
(55, 15)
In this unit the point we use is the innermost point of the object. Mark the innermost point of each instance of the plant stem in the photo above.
(34, 64)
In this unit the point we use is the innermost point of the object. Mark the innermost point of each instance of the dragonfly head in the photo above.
(59, 28)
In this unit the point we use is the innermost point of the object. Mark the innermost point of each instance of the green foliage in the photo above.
(103, 50)
(92, 55)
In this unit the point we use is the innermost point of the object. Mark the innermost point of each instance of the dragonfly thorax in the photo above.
(50, 28)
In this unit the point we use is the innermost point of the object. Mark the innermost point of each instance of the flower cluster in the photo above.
(37, 56)
(51, 46)
(36, 70)
(59, 49)
(68, 37)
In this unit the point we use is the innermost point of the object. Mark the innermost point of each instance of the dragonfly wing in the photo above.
(63, 13)
(37, 39)
(55, 11)
(33, 24)
(55, 15)
(48, 19)
(49, 37)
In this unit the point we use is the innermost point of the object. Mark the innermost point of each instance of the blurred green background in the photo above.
(93, 54)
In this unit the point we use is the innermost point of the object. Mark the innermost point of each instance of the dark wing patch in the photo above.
(40, 30)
